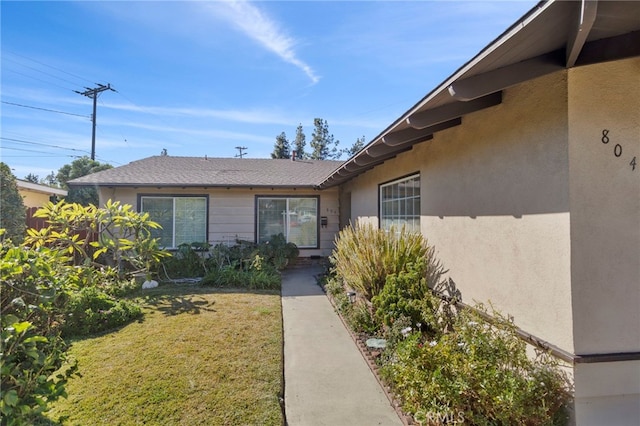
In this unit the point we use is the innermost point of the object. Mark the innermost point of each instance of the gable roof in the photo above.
(554, 35)
(27, 186)
(166, 170)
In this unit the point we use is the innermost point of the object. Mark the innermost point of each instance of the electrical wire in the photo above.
(45, 109)
(48, 66)
(42, 144)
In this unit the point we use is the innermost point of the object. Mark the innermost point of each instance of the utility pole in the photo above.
(241, 148)
(93, 94)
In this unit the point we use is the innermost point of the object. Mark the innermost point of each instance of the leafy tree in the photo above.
(281, 148)
(81, 167)
(357, 146)
(323, 143)
(300, 143)
(13, 214)
(50, 179)
(32, 178)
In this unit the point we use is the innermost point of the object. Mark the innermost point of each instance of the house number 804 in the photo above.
(617, 149)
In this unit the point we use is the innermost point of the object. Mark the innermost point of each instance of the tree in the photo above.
(323, 143)
(300, 143)
(32, 178)
(281, 148)
(81, 167)
(13, 214)
(357, 146)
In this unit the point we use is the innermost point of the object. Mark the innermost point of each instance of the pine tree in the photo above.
(32, 178)
(300, 143)
(357, 146)
(323, 143)
(281, 148)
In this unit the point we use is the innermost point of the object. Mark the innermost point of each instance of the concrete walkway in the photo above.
(327, 381)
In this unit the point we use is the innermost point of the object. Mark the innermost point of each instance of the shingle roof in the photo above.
(201, 171)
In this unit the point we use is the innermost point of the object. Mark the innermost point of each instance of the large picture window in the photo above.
(400, 204)
(183, 219)
(296, 218)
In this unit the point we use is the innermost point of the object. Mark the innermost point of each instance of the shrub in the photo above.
(91, 311)
(364, 256)
(407, 294)
(33, 371)
(278, 251)
(257, 276)
(479, 373)
(32, 354)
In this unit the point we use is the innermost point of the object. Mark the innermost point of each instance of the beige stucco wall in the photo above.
(232, 211)
(605, 206)
(34, 199)
(605, 235)
(495, 204)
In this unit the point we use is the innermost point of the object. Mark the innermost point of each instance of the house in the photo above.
(221, 200)
(521, 169)
(36, 195)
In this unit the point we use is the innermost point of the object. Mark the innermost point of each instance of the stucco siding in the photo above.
(34, 199)
(494, 203)
(604, 106)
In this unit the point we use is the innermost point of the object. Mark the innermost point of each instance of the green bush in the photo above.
(33, 362)
(257, 276)
(218, 263)
(34, 370)
(479, 373)
(407, 294)
(91, 310)
(364, 256)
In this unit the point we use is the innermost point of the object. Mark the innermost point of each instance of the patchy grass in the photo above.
(199, 357)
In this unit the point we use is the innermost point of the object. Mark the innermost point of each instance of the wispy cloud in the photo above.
(257, 25)
(252, 116)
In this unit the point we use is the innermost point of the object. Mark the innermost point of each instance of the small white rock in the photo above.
(149, 284)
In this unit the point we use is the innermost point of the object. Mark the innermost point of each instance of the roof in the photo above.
(554, 35)
(24, 185)
(166, 170)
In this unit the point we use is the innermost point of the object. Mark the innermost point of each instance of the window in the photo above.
(400, 204)
(296, 218)
(183, 219)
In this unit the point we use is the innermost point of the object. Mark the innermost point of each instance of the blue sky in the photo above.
(201, 78)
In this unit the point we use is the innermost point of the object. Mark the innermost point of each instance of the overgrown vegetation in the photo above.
(242, 265)
(61, 282)
(444, 363)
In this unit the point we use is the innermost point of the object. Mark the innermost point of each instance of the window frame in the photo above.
(381, 186)
(173, 197)
(287, 197)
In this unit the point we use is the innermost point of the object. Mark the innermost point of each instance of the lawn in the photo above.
(199, 357)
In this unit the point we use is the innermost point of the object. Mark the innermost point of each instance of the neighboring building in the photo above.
(522, 169)
(36, 195)
(219, 200)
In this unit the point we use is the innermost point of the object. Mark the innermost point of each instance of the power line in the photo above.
(41, 72)
(39, 79)
(48, 66)
(45, 109)
(40, 152)
(23, 141)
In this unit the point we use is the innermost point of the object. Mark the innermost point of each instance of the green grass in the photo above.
(199, 357)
